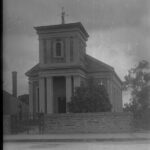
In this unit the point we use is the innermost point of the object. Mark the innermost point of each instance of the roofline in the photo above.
(30, 70)
(62, 26)
(29, 73)
(108, 66)
(118, 77)
(98, 61)
(4, 91)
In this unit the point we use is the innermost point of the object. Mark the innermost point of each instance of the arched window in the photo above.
(58, 49)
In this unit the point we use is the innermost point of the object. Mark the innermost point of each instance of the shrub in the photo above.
(90, 98)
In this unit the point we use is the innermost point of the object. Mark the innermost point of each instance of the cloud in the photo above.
(20, 16)
(125, 47)
(20, 54)
(102, 14)
(119, 32)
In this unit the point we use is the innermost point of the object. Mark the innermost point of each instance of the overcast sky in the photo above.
(119, 32)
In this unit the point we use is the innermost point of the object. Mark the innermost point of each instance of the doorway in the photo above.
(61, 105)
(59, 91)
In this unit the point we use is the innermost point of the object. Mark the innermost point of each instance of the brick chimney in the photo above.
(14, 83)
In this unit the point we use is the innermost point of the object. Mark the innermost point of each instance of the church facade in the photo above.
(63, 66)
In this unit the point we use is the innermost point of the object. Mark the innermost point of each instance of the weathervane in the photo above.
(63, 14)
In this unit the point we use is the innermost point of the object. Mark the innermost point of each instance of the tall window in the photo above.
(58, 49)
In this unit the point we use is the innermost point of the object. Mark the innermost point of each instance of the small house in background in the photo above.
(11, 103)
(23, 103)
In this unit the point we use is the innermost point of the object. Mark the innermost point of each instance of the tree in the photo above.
(138, 82)
(90, 98)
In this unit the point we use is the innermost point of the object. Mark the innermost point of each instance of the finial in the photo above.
(63, 14)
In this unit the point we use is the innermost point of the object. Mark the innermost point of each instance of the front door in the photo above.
(59, 94)
(61, 105)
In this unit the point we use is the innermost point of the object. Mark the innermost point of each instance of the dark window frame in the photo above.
(58, 49)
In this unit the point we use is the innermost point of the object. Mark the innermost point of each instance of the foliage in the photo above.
(130, 107)
(142, 118)
(24, 98)
(138, 82)
(90, 98)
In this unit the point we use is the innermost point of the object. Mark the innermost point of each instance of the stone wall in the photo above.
(6, 124)
(89, 123)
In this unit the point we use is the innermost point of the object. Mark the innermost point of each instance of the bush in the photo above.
(142, 119)
(90, 98)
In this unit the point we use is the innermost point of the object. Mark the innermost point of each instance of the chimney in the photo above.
(14, 83)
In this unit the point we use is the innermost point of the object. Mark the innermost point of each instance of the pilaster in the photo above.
(77, 81)
(67, 50)
(48, 50)
(41, 51)
(76, 49)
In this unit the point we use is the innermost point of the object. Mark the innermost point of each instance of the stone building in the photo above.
(63, 65)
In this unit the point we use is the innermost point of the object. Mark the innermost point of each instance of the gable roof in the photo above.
(7, 95)
(94, 65)
(33, 70)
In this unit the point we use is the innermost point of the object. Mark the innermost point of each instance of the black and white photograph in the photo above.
(76, 74)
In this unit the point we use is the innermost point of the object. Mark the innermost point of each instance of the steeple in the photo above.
(62, 44)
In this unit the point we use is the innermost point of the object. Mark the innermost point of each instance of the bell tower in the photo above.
(62, 45)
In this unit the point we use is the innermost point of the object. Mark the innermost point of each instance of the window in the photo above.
(58, 49)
